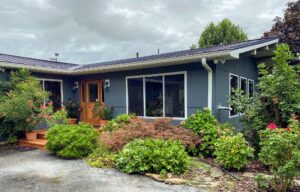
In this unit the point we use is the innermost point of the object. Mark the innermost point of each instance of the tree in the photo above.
(288, 27)
(225, 32)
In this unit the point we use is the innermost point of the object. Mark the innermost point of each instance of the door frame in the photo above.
(85, 104)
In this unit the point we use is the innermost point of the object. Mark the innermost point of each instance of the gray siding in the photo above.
(196, 85)
(245, 67)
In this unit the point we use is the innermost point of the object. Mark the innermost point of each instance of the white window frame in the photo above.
(163, 79)
(229, 83)
(55, 80)
(250, 80)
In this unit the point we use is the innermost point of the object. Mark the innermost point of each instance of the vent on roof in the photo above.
(55, 57)
(137, 54)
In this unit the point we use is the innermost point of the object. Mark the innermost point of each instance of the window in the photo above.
(243, 83)
(174, 99)
(233, 84)
(157, 95)
(251, 87)
(136, 96)
(55, 89)
(93, 91)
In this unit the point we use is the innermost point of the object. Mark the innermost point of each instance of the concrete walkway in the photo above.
(37, 171)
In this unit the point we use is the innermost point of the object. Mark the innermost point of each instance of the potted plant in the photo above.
(103, 113)
(73, 111)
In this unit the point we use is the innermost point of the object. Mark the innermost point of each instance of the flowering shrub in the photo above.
(153, 155)
(205, 125)
(21, 105)
(280, 150)
(72, 141)
(73, 109)
(140, 128)
(233, 151)
(272, 126)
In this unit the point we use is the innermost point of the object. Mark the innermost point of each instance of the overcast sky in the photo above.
(88, 31)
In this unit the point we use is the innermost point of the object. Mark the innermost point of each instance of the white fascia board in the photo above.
(236, 53)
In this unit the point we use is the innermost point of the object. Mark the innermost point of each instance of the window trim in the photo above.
(229, 83)
(144, 93)
(54, 80)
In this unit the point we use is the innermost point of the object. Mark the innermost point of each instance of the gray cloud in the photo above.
(94, 30)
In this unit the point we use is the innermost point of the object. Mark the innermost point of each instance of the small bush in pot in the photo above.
(72, 141)
(233, 151)
(73, 110)
(103, 112)
(153, 155)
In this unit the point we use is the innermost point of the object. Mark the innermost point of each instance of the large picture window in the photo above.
(161, 95)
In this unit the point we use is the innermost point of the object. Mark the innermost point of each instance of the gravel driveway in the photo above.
(38, 171)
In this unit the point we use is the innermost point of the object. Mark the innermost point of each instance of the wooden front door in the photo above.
(90, 92)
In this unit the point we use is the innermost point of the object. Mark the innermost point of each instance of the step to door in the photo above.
(38, 143)
(41, 134)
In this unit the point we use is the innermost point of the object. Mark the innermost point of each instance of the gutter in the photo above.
(209, 85)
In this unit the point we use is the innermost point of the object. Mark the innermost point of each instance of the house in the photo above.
(174, 84)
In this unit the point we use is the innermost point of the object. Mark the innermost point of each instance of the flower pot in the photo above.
(103, 123)
(72, 121)
(30, 136)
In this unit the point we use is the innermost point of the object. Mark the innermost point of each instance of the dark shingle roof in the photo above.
(35, 62)
(175, 54)
(54, 65)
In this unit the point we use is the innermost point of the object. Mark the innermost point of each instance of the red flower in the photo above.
(272, 126)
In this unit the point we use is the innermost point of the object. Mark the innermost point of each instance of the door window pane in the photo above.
(154, 96)
(54, 88)
(93, 91)
(82, 92)
(174, 96)
(135, 96)
(244, 85)
(234, 84)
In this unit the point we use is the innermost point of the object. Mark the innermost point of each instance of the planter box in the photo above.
(72, 121)
(31, 136)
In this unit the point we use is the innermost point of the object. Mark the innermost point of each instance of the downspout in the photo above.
(210, 83)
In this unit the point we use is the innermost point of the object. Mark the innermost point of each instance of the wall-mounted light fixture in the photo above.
(75, 86)
(106, 83)
(2, 70)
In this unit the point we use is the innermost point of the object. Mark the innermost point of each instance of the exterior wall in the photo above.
(245, 67)
(196, 85)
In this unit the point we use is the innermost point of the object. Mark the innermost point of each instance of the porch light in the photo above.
(2, 70)
(106, 83)
(75, 86)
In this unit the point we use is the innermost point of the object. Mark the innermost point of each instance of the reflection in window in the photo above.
(234, 84)
(163, 95)
(154, 96)
(244, 85)
(251, 88)
(93, 91)
(174, 98)
(135, 96)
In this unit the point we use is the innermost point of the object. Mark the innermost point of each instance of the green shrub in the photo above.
(233, 151)
(205, 125)
(263, 181)
(153, 155)
(118, 122)
(101, 157)
(72, 141)
(280, 150)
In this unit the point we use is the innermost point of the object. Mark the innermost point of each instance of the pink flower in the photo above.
(272, 126)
